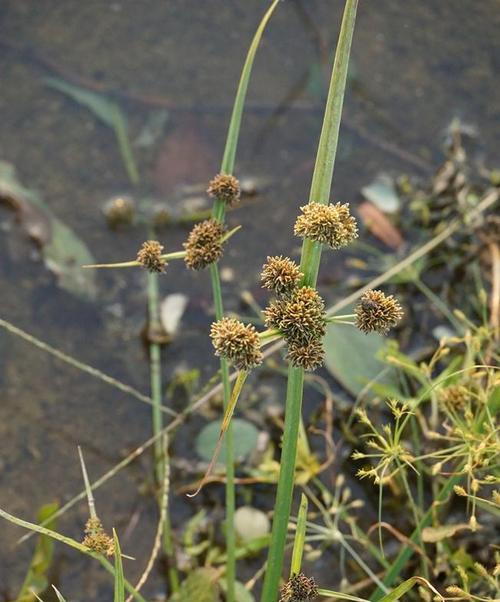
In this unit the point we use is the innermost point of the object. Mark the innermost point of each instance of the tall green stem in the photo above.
(160, 445)
(310, 259)
(218, 213)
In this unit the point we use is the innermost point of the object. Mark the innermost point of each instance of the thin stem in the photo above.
(284, 492)
(218, 213)
(160, 448)
(310, 259)
(407, 551)
(230, 490)
(435, 300)
(416, 516)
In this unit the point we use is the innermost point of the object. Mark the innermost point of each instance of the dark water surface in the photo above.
(416, 65)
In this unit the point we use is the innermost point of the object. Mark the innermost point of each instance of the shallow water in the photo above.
(416, 65)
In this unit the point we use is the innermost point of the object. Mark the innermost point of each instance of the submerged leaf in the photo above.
(64, 253)
(351, 356)
(36, 581)
(245, 439)
(108, 112)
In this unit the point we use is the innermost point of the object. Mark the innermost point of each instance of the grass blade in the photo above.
(300, 537)
(119, 578)
(310, 259)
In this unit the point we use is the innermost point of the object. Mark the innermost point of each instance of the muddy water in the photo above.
(416, 65)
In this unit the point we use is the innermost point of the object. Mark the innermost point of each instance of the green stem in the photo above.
(310, 259)
(284, 492)
(160, 445)
(435, 300)
(218, 213)
(230, 491)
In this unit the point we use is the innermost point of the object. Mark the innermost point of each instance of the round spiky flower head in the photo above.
(301, 317)
(377, 312)
(308, 356)
(97, 539)
(225, 188)
(299, 588)
(280, 274)
(236, 342)
(149, 256)
(204, 245)
(332, 225)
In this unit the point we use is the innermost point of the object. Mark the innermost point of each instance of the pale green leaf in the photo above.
(245, 439)
(351, 356)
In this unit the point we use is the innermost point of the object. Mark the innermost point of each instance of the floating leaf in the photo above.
(200, 585)
(245, 439)
(106, 111)
(351, 356)
(36, 581)
(382, 193)
(435, 534)
(250, 523)
(64, 253)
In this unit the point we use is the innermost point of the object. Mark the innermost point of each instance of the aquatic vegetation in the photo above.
(420, 419)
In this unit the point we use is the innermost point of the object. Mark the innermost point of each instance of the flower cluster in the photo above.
(204, 244)
(236, 342)
(299, 588)
(301, 318)
(281, 275)
(224, 188)
(332, 225)
(377, 312)
(149, 256)
(96, 539)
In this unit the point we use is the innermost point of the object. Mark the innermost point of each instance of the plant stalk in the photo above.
(309, 265)
(218, 213)
(160, 449)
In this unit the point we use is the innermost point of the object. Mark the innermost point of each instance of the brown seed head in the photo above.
(236, 342)
(224, 188)
(332, 225)
(97, 539)
(377, 312)
(299, 589)
(204, 245)
(301, 317)
(280, 274)
(149, 256)
(308, 356)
